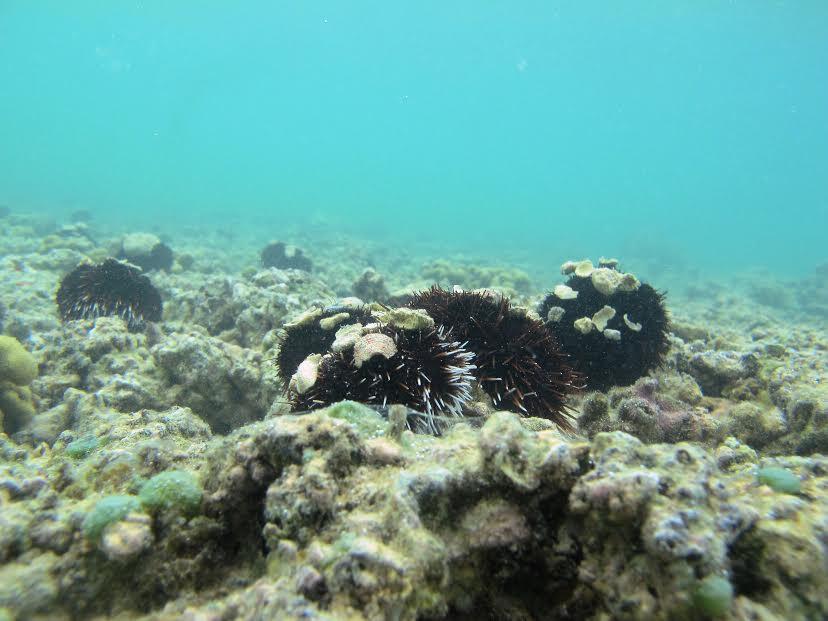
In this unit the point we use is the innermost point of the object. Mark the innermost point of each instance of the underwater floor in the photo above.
(530, 444)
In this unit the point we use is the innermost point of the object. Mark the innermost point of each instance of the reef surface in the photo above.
(154, 471)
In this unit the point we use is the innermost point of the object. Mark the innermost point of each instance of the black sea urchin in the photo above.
(614, 327)
(281, 256)
(419, 369)
(106, 289)
(159, 258)
(519, 364)
(314, 333)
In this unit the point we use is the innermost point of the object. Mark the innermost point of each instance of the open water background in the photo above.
(691, 132)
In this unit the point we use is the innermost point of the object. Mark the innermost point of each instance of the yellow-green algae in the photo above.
(17, 369)
(17, 365)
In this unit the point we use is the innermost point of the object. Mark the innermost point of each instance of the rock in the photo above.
(754, 425)
(715, 370)
(30, 589)
(127, 538)
(496, 524)
(245, 310)
(223, 383)
(370, 287)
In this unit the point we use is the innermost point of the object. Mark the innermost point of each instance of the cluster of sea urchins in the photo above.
(111, 288)
(466, 338)
(613, 326)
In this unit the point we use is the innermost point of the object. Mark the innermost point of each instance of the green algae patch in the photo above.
(17, 369)
(779, 480)
(17, 365)
(368, 423)
(80, 448)
(713, 596)
(173, 490)
(106, 511)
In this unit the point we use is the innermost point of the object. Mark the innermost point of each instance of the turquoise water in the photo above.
(695, 132)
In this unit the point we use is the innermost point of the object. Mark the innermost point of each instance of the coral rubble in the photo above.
(328, 514)
(151, 467)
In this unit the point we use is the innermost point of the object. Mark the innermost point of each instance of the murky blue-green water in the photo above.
(689, 131)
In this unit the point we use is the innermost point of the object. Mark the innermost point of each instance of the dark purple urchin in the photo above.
(282, 256)
(519, 363)
(160, 257)
(426, 373)
(110, 288)
(305, 337)
(640, 321)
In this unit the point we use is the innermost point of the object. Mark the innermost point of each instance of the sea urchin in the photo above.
(314, 332)
(106, 289)
(282, 256)
(613, 326)
(420, 369)
(519, 363)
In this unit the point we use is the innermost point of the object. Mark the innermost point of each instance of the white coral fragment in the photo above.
(370, 345)
(306, 375)
(555, 314)
(346, 337)
(406, 318)
(602, 317)
(635, 327)
(608, 281)
(564, 292)
(305, 318)
(613, 335)
(584, 268)
(583, 325)
(329, 323)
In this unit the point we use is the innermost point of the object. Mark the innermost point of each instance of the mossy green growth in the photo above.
(368, 422)
(17, 369)
(713, 596)
(80, 448)
(779, 480)
(16, 407)
(172, 490)
(106, 511)
(17, 365)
